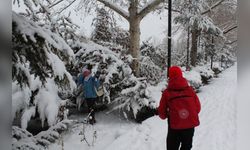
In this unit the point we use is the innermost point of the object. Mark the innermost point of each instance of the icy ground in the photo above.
(216, 132)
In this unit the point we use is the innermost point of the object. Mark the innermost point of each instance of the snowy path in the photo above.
(216, 132)
(218, 116)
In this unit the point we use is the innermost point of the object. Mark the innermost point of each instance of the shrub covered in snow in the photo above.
(206, 73)
(194, 78)
(123, 91)
(152, 62)
(22, 139)
(39, 73)
(217, 68)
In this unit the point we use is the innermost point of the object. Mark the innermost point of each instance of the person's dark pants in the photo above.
(91, 106)
(177, 138)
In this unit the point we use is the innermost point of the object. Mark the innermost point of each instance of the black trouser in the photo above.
(182, 137)
(91, 106)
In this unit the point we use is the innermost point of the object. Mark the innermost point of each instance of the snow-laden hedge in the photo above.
(201, 75)
(205, 72)
(123, 91)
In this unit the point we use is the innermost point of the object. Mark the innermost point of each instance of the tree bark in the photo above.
(195, 35)
(134, 30)
(188, 39)
(134, 18)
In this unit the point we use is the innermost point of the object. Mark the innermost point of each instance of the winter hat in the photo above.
(174, 72)
(86, 72)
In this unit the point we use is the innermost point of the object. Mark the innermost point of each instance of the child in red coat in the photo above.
(180, 104)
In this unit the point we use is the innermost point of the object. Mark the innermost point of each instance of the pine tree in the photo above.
(192, 14)
(103, 27)
(39, 78)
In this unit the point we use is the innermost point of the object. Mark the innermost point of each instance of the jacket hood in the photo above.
(178, 83)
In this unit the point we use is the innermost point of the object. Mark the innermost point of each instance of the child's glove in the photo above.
(97, 75)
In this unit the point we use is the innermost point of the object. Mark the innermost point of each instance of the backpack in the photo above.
(182, 112)
(99, 91)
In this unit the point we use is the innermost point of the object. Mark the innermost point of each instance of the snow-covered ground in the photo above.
(216, 132)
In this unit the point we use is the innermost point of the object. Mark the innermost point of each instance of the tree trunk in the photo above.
(134, 18)
(134, 30)
(188, 39)
(212, 61)
(195, 35)
(134, 48)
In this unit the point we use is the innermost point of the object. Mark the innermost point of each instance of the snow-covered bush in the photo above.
(39, 73)
(217, 68)
(206, 73)
(194, 78)
(152, 62)
(22, 139)
(148, 69)
(123, 91)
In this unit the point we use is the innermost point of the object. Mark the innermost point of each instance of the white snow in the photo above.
(28, 29)
(193, 77)
(28, 113)
(217, 130)
(48, 103)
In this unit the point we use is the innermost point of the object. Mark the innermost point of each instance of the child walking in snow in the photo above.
(90, 84)
(180, 104)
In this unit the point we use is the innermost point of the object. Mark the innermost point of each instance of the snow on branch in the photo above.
(67, 6)
(22, 139)
(212, 7)
(115, 7)
(149, 7)
(52, 5)
(29, 28)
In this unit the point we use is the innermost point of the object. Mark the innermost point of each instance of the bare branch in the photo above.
(66, 6)
(55, 4)
(230, 29)
(174, 10)
(231, 42)
(212, 7)
(149, 7)
(116, 8)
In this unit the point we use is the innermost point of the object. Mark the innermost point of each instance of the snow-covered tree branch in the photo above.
(149, 7)
(212, 7)
(230, 29)
(116, 8)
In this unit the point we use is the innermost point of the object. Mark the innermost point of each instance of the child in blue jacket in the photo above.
(90, 84)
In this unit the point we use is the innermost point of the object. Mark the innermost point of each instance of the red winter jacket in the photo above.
(178, 88)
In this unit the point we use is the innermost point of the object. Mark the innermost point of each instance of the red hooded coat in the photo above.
(179, 103)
